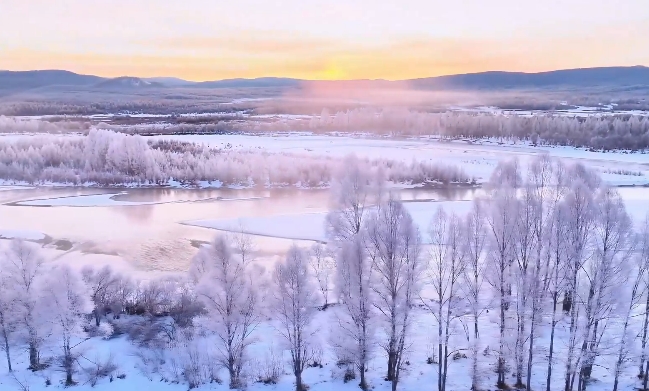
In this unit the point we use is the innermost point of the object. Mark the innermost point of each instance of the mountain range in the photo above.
(16, 81)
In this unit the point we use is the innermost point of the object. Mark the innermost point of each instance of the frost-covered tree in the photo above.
(393, 243)
(474, 275)
(322, 266)
(100, 282)
(294, 310)
(605, 274)
(355, 329)
(22, 267)
(226, 288)
(65, 302)
(500, 217)
(642, 245)
(9, 317)
(579, 216)
(446, 269)
(352, 190)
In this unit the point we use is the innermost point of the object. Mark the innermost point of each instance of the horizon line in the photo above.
(330, 80)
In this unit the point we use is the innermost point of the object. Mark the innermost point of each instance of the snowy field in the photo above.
(476, 159)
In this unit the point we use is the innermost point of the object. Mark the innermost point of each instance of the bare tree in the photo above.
(100, 283)
(9, 317)
(352, 190)
(604, 274)
(501, 223)
(393, 244)
(65, 303)
(643, 255)
(295, 309)
(579, 216)
(226, 288)
(355, 325)
(636, 275)
(556, 274)
(22, 267)
(447, 266)
(475, 240)
(322, 266)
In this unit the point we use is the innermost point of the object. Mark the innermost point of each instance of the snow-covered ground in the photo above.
(477, 159)
(21, 234)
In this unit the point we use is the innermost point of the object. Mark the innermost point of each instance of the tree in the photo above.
(393, 244)
(65, 303)
(295, 309)
(475, 240)
(8, 316)
(556, 274)
(226, 288)
(446, 269)
(501, 224)
(637, 271)
(643, 259)
(322, 266)
(352, 190)
(579, 215)
(604, 273)
(22, 268)
(355, 325)
(100, 283)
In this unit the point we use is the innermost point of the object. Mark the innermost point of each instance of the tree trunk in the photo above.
(97, 317)
(643, 357)
(501, 349)
(474, 364)
(555, 300)
(6, 341)
(567, 302)
(68, 366)
(298, 382)
(363, 384)
(34, 365)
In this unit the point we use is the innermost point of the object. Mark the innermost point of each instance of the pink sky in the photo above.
(314, 39)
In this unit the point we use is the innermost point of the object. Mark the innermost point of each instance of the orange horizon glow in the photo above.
(317, 40)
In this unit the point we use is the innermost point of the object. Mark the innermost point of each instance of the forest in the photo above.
(543, 284)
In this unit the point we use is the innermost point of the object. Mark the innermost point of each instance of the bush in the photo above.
(350, 375)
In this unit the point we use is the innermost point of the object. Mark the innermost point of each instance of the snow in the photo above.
(21, 234)
(478, 159)
(11, 188)
(99, 200)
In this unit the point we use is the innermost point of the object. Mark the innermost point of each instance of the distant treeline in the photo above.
(114, 159)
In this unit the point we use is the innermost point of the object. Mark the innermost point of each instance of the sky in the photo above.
(316, 39)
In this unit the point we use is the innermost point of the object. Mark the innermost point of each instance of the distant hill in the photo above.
(583, 77)
(23, 80)
(586, 77)
(171, 81)
(127, 82)
(279, 82)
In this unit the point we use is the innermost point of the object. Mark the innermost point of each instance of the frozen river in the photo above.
(151, 228)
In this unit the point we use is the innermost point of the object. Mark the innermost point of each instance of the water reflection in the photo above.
(150, 236)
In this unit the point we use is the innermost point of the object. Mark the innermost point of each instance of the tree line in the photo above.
(601, 132)
(115, 159)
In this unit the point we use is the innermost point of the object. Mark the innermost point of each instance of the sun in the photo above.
(332, 72)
